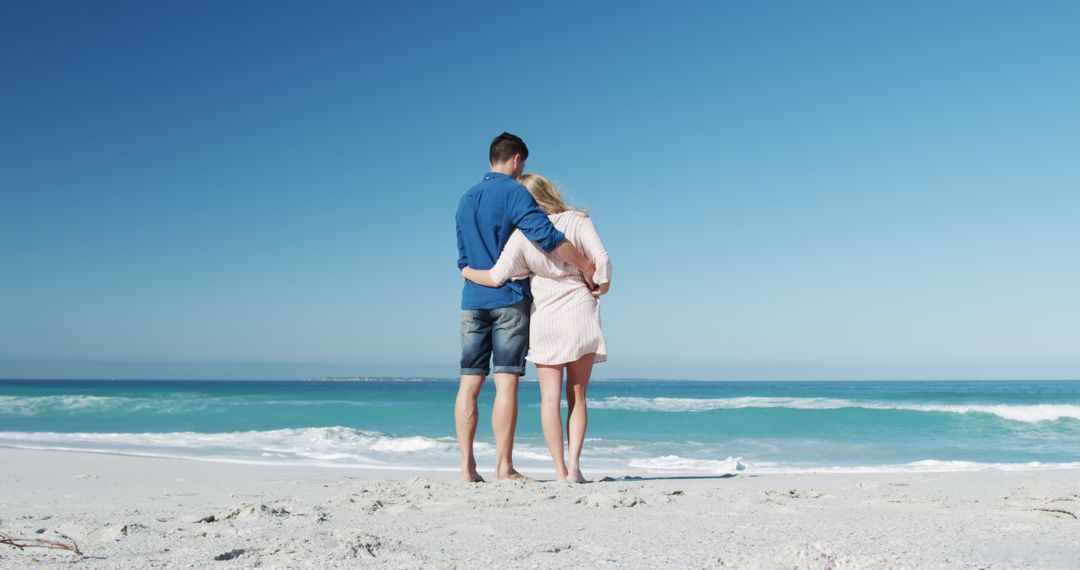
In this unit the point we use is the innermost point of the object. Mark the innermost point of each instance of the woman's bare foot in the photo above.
(511, 475)
(561, 473)
(575, 475)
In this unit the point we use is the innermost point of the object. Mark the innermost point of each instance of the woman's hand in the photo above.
(478, 276)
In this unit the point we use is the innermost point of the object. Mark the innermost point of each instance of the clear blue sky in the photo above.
(787, 189)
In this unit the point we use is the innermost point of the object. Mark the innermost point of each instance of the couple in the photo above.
(510, 226)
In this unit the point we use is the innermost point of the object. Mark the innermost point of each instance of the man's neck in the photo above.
(507, 169)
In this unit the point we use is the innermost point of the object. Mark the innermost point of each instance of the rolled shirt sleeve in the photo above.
(532, 221)
(463, 258)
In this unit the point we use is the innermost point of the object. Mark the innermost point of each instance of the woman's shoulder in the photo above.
(569, 220)
(570, 215)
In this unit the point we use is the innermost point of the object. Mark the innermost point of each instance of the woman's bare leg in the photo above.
(577, 418)
(551, 378)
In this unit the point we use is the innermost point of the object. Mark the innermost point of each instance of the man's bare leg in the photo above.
(465, 419)
(577, 417)
(504, 424)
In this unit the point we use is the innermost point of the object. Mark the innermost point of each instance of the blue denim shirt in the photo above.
(486, 216)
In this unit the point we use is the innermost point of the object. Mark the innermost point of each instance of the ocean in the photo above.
(635, 427)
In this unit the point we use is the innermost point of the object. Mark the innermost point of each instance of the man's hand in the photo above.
(587, 272)
(570, 254)
(601, 289)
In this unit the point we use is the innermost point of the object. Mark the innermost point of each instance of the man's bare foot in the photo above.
(575, 475)
(473, 477)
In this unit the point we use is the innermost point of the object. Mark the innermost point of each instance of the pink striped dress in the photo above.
(565, 321)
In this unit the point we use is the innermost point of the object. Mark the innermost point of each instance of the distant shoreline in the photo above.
(528, 379)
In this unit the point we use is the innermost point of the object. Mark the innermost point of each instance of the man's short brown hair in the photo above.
(505, 146)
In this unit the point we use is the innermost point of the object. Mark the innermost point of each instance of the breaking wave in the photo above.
(1029, 413)
(162, 404)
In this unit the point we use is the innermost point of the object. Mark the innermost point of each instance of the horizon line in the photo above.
(369, 378)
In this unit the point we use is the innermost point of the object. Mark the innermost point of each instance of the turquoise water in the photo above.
(634, 427)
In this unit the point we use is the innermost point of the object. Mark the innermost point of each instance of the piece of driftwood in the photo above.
(23, 543)
(1056, 511)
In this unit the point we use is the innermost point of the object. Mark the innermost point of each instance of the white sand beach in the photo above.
(138, 512)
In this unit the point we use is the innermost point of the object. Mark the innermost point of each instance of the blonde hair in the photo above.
(545, 193)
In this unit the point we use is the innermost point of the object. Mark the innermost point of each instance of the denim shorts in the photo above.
(501, 333)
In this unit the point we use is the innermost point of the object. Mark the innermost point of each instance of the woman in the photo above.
(564, 327)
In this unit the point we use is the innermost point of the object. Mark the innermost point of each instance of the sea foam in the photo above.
(32, 405)
(330, 446)
(1029, 413)
(684, 464)
(352, 448)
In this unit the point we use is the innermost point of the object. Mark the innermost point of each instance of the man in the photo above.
(495, 321)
